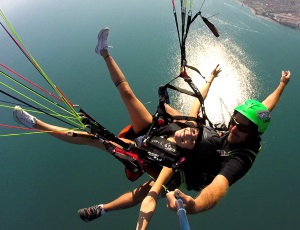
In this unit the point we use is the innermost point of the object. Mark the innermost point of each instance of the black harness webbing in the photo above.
(100, 131)
(144, 154)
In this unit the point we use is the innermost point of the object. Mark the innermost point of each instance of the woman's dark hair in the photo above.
(208, 140)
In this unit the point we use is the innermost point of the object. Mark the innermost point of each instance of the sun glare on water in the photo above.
(233, 85)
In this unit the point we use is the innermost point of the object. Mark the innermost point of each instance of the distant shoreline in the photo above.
(254, 12)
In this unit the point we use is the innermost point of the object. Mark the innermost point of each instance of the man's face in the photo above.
(239, 129)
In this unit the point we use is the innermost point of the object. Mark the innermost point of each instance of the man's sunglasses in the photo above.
(240, 127)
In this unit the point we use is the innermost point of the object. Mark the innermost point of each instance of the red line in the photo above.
(30, 129)
(15, 127)
(67, 99)
(32, 83)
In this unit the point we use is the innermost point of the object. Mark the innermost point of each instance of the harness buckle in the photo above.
(223, 153)
(178, 163)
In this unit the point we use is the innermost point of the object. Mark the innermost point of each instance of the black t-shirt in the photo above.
(240, 158)
(231, 161)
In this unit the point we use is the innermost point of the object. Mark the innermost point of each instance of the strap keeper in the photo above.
(119, 82)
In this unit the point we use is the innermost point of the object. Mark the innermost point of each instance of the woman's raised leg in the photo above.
(139, 116)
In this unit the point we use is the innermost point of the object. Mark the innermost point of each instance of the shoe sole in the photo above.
(98, 48)
(16, 109)
(102, 31)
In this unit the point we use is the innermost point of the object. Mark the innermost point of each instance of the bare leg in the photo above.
(140, 117)
(129, 199)
(82, 138)
(63, 134)
(125, 201)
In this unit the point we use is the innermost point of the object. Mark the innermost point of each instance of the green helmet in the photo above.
(256, 112)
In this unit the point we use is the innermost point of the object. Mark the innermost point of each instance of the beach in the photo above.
(286, 13)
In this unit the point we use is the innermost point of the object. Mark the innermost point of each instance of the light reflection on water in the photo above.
(234, 84)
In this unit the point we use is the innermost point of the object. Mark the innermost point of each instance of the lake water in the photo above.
(43, 182)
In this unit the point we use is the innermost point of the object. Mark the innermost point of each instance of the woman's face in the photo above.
(186, 138)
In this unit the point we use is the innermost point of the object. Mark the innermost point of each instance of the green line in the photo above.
(185, 3)
(37, 112)
(191, 4)
(11, 28)
(36, 102)
(34, 92)
(42, 72)
(19, 134)
(29, 133)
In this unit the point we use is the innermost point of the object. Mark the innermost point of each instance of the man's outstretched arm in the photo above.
(207, 198)
(272, 100)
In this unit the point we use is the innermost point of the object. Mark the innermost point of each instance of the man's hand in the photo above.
(285, 77)
(188, 201)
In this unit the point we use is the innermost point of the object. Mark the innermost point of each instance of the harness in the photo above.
(156, 149)
(171, 154)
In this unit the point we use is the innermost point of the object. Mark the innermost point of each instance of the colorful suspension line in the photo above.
(38, 109)
(63, 118)
(30, 131)
(22, 47)
(30, 82)
(56, 114)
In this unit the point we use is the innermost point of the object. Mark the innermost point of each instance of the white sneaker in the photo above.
(102, 41)
(24, 118)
